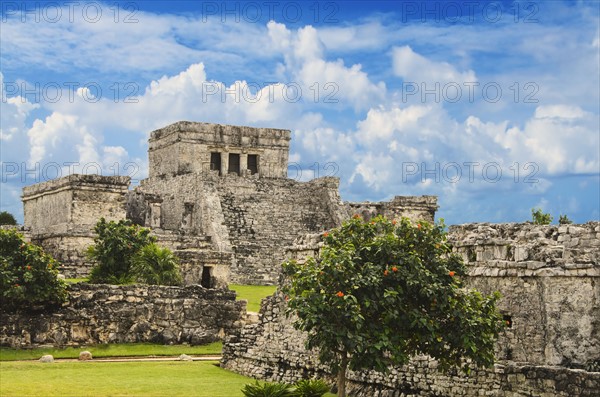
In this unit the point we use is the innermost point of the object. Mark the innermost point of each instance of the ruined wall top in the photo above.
(211, 133)
(73, 203)
(193, 147)
(76, 180)
(525, 249)
(416, 208)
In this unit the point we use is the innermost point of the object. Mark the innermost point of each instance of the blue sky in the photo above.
(492, 106)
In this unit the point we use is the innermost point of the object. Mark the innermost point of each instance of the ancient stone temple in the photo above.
(218, 195)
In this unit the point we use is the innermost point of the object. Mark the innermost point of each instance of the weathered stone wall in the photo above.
(132, 313)
(60, 215)
(185, 147)
(69, 249)
(264, 218)
(254, 219)
(415, 208)
(549, 278)
(59, 205)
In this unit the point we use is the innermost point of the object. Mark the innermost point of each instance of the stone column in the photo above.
(243, 164)
(155, 215)
(225, 162)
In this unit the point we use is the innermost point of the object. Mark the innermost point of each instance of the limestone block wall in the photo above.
(132, 313)
(185, 147)
(69, 249)
(253, 219)
(415, 208)
(75, 200)
(60, 215)
(549, 278)
(263, 218)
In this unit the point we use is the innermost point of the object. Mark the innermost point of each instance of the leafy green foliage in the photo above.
(114, 248)
(564, 220)
(311, 388)
(156, 265)
(6, 218)
(268, 390)
(539, 217)
(28, 276)
(382, 292)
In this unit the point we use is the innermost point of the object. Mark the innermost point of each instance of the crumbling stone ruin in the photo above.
(96, 314)
(217, 195)
(220, 198)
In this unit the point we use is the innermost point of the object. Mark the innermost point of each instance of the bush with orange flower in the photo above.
(383, 291)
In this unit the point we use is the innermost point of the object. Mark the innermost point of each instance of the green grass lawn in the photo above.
(76, 280)
(112, 350)
(119, 379)
(253, 293)
(175, 378)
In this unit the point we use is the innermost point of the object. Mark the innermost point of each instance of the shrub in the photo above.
(28, 276)
(564, 220)
(6, 218)
(539, 217)
(382, 291)
(114, 248)
(268, 390)
(311, 388)
(156, 265)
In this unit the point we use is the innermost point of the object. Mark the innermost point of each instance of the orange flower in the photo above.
(451, 273)
(418, 225)
(385, 272)
(325, 234)
(393, 221)
(28, 267)
(340, 294)
(394, 269)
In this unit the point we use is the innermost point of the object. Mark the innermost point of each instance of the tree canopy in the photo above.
(383, 291)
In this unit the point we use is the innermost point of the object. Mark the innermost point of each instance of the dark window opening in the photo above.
(507, 320)
(234, 163)
(206, 280)
(253, 163)
(215, 162)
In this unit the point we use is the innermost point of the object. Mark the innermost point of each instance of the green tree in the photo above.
(382, 292)
(564, 220)
(28, 276)
(539, 217)
(6, 218)
(156, 265)
(114, 248)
